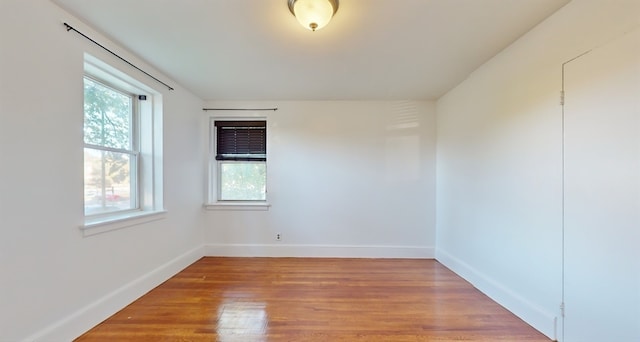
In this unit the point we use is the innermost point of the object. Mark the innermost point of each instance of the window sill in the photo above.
(94, 226)
(249, 206)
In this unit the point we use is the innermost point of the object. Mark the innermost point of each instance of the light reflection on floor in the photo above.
(242, 320)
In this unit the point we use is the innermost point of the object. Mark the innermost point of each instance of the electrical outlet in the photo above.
(278, 236)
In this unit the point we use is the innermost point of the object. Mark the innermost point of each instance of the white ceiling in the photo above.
(371, 50)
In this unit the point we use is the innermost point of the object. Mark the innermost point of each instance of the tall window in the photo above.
(110, 149)
(123, 178)
(241, 155)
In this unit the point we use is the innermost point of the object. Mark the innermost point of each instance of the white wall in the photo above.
(344, 179)
(499, 181)
(55, 282)
(602, 193)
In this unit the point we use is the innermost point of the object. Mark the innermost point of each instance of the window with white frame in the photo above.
(240, 172)
(122, 146)
(110, 149)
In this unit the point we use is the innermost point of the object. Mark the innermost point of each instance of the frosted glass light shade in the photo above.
(313, 14)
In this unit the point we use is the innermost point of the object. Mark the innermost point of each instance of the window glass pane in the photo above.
(107, 116)
(243, 181)
(107, 182)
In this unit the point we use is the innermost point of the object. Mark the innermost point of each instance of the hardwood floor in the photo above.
(289, 299)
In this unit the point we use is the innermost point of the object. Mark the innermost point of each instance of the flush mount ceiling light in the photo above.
(313, 14)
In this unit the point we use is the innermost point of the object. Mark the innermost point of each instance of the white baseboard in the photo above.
(320, 251)
(540, 319)
(86, 318)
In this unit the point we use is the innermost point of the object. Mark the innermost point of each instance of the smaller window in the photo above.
(241, 155)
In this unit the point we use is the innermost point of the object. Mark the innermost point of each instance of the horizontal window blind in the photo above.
(241, 140)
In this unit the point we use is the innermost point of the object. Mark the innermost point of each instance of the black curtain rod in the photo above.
(255, 109)
(70, 28)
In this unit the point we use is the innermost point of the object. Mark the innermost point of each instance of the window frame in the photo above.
(147, 138)
(214, 201)
(133, 152)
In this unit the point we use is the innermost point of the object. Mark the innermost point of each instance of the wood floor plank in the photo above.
(314, 299)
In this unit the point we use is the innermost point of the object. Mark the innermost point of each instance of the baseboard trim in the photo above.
(86, 318)
(540, 319)
(319, 251)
